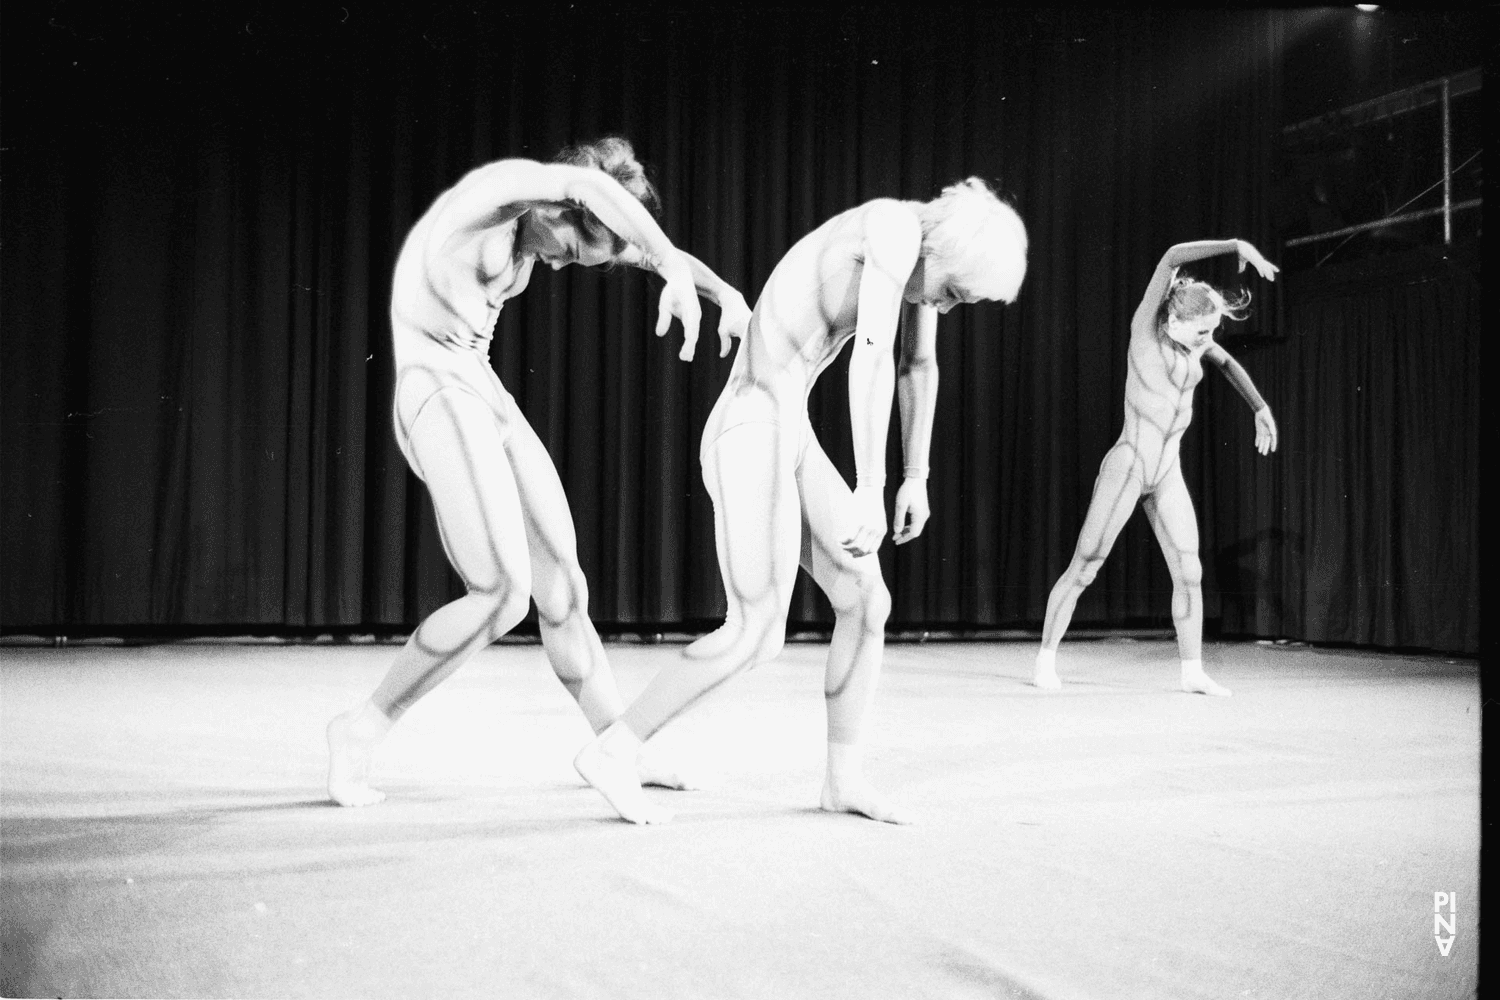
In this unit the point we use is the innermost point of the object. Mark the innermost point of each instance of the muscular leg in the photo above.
(1170, 510)
(750, 473)
(861, 604)
(459, 449)
(1115, 494)
(557, 584)
(561, 594)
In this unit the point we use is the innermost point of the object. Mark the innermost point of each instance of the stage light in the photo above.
(1368, 8)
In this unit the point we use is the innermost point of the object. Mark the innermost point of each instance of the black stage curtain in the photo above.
(201, 212)
(1365, 530)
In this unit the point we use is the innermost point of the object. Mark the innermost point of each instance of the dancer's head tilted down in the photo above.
(1193, 310)
(973, 248)
(566, 233)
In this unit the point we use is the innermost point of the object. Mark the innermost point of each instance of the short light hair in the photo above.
(978, 238)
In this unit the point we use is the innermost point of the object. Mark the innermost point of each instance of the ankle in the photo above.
(619, 740)
(369, 721)
(845, 762)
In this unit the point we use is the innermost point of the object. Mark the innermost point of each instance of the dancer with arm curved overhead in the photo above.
(1170, 334)
(778, 500)
(500, 506)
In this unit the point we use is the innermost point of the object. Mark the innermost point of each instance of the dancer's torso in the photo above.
(451, 279)
(805, 314)
(1159, 383)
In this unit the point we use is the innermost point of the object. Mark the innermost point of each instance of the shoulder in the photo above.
(891, 232)
(889, 218)
(495, 194)
(874, 226)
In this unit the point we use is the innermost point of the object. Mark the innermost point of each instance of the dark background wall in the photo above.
(200, 212)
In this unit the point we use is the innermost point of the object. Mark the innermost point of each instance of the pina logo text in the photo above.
(1444, 923)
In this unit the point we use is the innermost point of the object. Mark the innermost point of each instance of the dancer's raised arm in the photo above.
(510, 187)
(1186, 253)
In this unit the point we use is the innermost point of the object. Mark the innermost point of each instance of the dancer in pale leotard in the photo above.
(778, 500)
(500, 506)
(1171, 333)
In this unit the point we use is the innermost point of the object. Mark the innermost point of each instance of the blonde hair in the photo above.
(979, 239)
(1189, 298)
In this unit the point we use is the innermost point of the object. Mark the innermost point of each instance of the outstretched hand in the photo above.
(734, 319)
(912, 510)
(680, 298)
(1250, 255)
(1265, 431)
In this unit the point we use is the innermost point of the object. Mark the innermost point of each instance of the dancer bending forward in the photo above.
(500, 506)
(778, 500)
(1170, 335)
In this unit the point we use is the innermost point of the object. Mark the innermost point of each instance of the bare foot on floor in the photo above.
(350, 747)
(860, 798)
(1045, 674)
(654, 769)
(1198, 682)
(609, 764)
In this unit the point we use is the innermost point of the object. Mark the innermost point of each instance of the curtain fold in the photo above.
(201, 214)
(1366, 531)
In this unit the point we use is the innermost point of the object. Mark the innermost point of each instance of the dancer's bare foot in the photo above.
(1045, 674)
(352, 738)
(846, 790)
(1195, 681)
(863, 800)
(609, 764)
(653, 768)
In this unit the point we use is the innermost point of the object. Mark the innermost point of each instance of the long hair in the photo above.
(1189, 298)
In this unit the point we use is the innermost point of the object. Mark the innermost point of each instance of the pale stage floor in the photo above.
(163, 831)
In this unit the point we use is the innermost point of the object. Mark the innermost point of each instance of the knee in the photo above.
(561, 595)
(1084, 572)
(874, 603)
(503, 610)
(1189, 570)
(862, 596)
